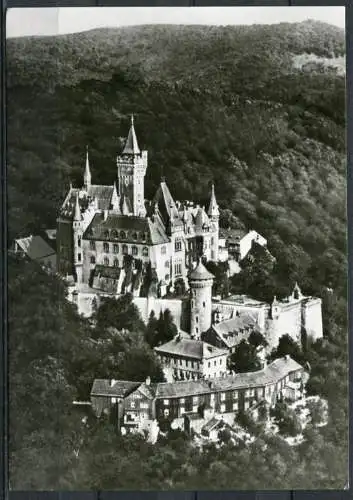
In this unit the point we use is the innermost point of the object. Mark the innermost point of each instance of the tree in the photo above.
(286, 419)
(119, 313)
(317, 411)
(288, 346)
(244, 358)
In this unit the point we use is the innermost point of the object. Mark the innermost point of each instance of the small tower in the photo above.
(132, 166)
(87, 178)
(200, 281)
(297, 293)
(275, 309)
(77, 237)
(213, 214)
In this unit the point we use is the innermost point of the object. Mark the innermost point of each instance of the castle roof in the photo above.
(126, 228)
(232, 331)
(35, 247)
(131, 145)
(200, 273)
(120, 388)
(189, 348)
(213, 209)
(166, 203)
(103, 195)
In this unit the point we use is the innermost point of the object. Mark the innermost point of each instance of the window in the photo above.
(123, 235)
(134, 250)
(246, 405)
(212, 255)
(223, 396)
(79, 242)
(166, 413)
(166, 402)
(223, 408)
(177, 245)
(114, 234)
(204, 304)
(247, 393)
(187, 363)
(144, 406)
(166, 277)
(177, 269)
(79, 257)
(145, 251)
(235, 394)
(115, 248)
(215, 362)
(93, 259)
(163, 250)
(182, 401)
(124, 249)
(197, 330)
(92, 245)
(235, 406)
(132, 404)
(113, 401)
(106, 247)
(116, 263)
(166, 264)
(134, 236)
(220, 361)
(192, 364)
(209, 364)
(195, 400)
(106, 234)
(212, 240)
(106, 261)
(197, 319)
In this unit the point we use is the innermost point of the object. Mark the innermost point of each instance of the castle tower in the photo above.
(201, 282)
(77, 243)
(132, 166)
(213, 214)
(87, 178)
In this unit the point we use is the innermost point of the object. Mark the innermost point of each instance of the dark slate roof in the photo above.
(268, 375)
(103, 194)
(234, 235)
(107, 271)
(231, 330)
(166, 204)
(200, 273)
(121, 388)
(35, 247)
(190, 348)
(214, 422)
(131, 145)
(137, 230)
(271, 374)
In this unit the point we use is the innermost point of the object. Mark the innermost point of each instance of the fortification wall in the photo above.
(312, 318)
(289, 321)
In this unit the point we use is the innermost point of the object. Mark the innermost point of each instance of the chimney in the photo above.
(112, 382)
(148, 381)
(105, 214)
(286, 357)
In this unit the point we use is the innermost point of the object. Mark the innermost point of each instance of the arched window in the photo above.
(92, 245)
(116, 263)
(106, 247)
(79, 241)
(114, 234)
(134, 250)
(93, 259)
(106, 234)
(123, 235)
(106, 261)
(124, 249)
(116, 248)
(134, 236)
(145, 251)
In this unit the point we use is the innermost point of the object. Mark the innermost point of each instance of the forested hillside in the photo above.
(222, 104)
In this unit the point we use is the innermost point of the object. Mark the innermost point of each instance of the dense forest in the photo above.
(222, 104)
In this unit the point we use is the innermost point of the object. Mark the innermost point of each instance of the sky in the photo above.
(53, 21)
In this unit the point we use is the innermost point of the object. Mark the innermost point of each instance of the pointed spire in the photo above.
(87, 175)
(131, 145)
(77, 213)
(213, 210)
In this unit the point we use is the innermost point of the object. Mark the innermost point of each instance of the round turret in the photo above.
(200, 281)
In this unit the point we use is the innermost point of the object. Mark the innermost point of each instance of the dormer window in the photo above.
(123, 235)
(114, 234)
(106, 234)
(145, 251)
(134, 236)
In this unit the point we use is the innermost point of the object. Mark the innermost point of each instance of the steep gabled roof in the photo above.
(120, 388)
(35, 247)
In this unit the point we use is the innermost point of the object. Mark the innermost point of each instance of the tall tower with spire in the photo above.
(213, 214)
(77, 243)
(132, 166)
(87, 178)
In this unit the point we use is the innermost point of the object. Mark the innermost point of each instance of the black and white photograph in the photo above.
(177, 248)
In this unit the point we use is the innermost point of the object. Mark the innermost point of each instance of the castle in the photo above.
(112, 232)
(112, 241)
